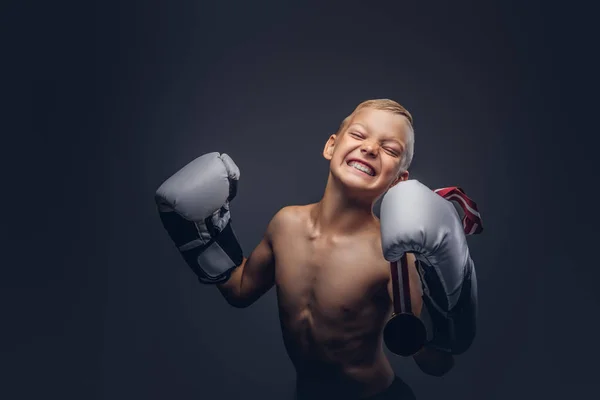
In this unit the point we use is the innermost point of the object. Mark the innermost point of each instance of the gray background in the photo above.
(104, 101)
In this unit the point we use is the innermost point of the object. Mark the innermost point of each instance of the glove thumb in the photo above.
(233, 173)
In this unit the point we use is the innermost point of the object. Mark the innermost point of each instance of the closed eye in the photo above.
(391, 151)
(356, 135)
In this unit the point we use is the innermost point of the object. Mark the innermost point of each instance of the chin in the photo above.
(356, 189)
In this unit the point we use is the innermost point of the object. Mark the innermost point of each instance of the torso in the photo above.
(333, 305)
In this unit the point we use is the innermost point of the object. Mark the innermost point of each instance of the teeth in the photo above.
(361, 167)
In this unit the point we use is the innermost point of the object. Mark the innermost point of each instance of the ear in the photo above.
(329, 147)
(403, 176)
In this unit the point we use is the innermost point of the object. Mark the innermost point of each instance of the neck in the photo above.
(339, 211)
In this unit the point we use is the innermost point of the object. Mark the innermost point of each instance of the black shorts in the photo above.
(398, 390)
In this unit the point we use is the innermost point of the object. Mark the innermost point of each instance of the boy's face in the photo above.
(365, 157)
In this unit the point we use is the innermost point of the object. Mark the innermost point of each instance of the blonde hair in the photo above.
(393, 107)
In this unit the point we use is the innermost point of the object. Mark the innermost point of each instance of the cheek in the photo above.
(391, 170)
(341, 151)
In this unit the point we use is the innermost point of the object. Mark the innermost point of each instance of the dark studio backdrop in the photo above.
(107, 100)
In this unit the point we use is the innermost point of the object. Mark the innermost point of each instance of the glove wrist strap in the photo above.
(214, 261)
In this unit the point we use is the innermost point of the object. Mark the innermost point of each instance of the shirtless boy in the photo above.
(326, 260)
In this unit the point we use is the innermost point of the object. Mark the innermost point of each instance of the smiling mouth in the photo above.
(361, 167)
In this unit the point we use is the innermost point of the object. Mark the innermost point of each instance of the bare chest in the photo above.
(337, 276)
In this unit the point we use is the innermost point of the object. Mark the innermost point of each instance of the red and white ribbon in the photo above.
(472, 220)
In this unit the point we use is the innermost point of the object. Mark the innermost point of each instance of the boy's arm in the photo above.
(253, 278)
(416, 219)
(256, 275)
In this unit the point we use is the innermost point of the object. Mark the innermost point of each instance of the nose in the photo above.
(370, 148)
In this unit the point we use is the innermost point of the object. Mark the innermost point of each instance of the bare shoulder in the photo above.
(287, 217)
(288, 214)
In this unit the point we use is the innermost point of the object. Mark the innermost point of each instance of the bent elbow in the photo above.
(237, 302)
(433, 362)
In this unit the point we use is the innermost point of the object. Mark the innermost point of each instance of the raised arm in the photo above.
(255, 276)
(193, 205)
(415, 219)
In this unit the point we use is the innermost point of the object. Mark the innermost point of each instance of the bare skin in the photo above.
(334, 298)
(326, 262)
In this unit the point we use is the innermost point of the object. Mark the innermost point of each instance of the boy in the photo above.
(334, 286)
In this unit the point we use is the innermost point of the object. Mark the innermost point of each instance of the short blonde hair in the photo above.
(393, 107)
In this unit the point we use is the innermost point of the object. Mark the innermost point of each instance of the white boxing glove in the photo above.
(194, 208)
(414, 219)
